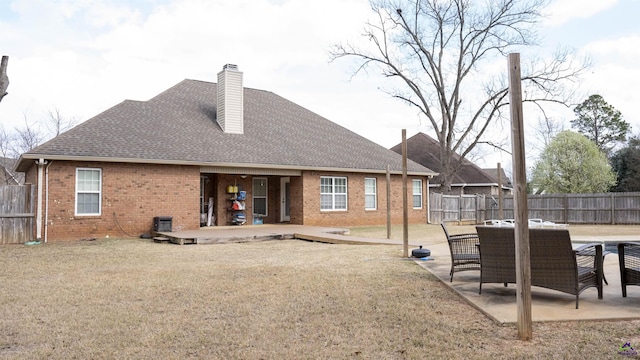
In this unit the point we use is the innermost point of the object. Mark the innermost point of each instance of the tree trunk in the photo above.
(4, 79)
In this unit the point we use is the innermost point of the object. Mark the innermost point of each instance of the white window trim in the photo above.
(266, 196)
(375, 194)
(333, 193)
(417, 194)
(99, 192)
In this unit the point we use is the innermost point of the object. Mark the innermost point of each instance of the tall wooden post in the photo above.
(388, 202)
(500, 195)
(405, 209)
(523, 260)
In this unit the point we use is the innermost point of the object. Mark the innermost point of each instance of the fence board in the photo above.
(16, 214)
(601, 208)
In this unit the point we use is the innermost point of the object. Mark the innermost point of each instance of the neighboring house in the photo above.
(470, 179)
(507, 185)
(7, 175)
(198, 142)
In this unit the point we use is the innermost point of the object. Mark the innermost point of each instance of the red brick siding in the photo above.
(356, 213)
(132, 195)
(297, 200)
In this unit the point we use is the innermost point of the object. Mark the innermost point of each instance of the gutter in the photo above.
(21, 164)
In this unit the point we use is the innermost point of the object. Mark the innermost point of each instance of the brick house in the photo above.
(470, 179)
(207, 154)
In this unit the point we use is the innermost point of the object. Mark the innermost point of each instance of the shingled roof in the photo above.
(425, 150)
(493, 173)
(179, 126)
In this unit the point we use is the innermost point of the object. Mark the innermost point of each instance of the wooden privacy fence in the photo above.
(460, 208)
(16, 214)
(602, 208)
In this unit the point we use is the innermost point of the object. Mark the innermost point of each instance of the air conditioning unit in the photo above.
(162, 223)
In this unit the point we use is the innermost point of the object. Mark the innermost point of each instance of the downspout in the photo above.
(40, 164)
(46, 201)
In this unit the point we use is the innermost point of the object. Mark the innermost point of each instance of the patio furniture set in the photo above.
(554, 263)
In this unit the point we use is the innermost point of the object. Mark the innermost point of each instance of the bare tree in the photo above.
(57, 124)
(26, 138)
(546, 129)
(6, 141)
(434, 49)
(4, 79)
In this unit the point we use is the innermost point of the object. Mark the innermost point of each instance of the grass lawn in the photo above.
(281, 299)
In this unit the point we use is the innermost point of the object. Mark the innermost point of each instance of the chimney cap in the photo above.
(230, 67)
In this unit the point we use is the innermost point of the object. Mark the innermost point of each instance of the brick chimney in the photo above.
(230, 113)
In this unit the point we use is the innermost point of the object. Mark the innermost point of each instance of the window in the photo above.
(88, 191)
(333, 193)
(260, 196)
(370, 200)
(417, 194)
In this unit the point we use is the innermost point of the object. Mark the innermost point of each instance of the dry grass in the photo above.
(262, 300)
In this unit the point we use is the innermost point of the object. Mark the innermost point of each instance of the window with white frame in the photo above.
(333, 193)
(417, 194)
(370, 194)
(259, 196)
(88, 191)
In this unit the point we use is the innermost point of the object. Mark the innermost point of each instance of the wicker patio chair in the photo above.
(554, 263)
(464, 251)
(629, 259)
(497, 255)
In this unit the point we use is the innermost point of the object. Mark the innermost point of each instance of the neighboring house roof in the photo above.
(179, 126)
(493, 173)
(425, 150)
(7, 175)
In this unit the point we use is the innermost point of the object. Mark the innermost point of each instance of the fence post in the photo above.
(613, 209)
(460, 210)
(566, 209)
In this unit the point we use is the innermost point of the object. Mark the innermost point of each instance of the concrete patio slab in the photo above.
(499, 303)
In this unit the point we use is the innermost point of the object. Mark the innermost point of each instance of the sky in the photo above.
(82, 57)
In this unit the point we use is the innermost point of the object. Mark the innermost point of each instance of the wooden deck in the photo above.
(247, 233)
